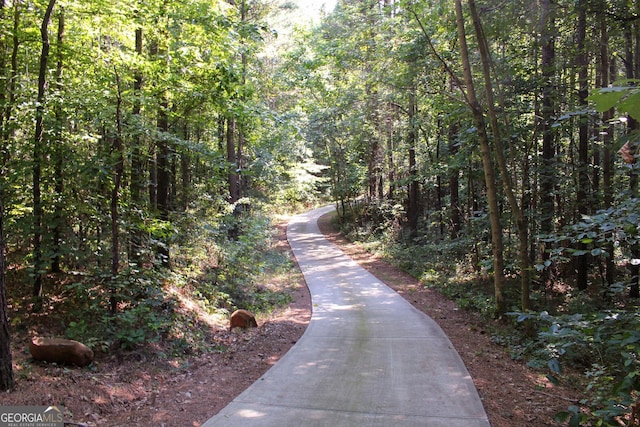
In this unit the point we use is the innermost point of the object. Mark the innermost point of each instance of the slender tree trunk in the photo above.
(185, 172)
(373, 168)
(38, 158)
(583, 196)
(118, 152)
(4, 95)
(632, 65)
(59, 154)
(518, 214)
(234, 193)
(8, 95)
(173, 181)
(548, 171)
(6, 365)
(136, 184)
(163, 176)
(414, 190)
(454, 185)
(391, 165)
(375, 149)
(607, 71)
(152, 186)
(489, 173)
(160, 163)
(235, 136)
(6, 362)
(241, 141)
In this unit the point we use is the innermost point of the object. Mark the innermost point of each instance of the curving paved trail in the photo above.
(367, 358)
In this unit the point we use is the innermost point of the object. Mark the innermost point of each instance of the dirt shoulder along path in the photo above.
(131, 390)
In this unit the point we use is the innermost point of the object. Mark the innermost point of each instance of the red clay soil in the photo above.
(135, 388)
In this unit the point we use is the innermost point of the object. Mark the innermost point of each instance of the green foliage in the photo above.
(623, 95)
(242, 261)
(605, 345)
(214, 271)
(617, 227)
(443, 265)
(145, 311)
(199, 65)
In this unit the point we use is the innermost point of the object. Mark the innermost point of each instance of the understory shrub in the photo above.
(218, 265)
(605, 346)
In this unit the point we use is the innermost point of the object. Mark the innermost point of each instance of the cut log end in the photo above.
(61, 351)
(242, 319)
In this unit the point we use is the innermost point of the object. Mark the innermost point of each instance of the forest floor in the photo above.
(135, 388)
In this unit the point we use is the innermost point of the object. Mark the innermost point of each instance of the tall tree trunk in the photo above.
(38, 158)
(234, 192)
(8, 95)
(518, 214)
(137, 181)
(454, 185)
(118, 152)
(414, 189)
(153, 151)
(160, 168)
(548, 171)
(241, 142)
(4, 84)
(607, 72)
(152, 182)
(4, 96)
(497, 246)
(583, 195)
(164, 177)
(59, 154)
(235, 135)
(373, 168)
(185, 172)
(632, 67)
(391, 172)
(6, 365)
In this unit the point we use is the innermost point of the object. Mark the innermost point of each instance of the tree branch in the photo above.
(435, 53)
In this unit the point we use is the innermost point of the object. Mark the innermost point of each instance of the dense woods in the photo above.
(488, 147)
(137, 158)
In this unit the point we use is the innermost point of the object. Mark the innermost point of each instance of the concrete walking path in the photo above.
(367, 358)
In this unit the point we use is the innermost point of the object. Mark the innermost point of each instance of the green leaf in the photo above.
(606, 100)
(575, 421)
(574, 409)
(631, 105)
(630, 340)
(523, 317)
(622, 84)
